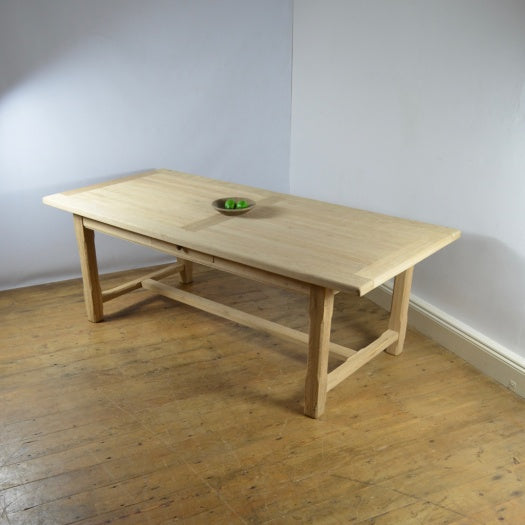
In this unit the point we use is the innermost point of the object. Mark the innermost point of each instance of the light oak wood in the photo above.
(238, 316)
(317, 382)
(320, 312)
(186, 275)
(165, 414)
(399, 309)
(88, 264)
(310, 241)
(188, 256)
(121, 289)
(353, 363)
(289, 241)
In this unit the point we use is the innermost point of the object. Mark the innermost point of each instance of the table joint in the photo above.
(361, 357)
(237, 316)
(135, 284)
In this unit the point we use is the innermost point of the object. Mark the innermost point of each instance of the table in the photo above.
(300, 244)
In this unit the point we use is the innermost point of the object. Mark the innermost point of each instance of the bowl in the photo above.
(218, 204)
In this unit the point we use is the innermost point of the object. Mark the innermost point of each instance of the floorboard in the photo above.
(164, 414)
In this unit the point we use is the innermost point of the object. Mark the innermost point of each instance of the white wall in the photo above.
(417, 109)
(92, 90)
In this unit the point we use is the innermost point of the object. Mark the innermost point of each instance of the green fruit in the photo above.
(241, 204)
(229, 204)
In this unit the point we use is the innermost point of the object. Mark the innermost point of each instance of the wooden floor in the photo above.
(165, 414)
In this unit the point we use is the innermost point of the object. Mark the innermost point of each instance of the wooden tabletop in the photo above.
(315, 242)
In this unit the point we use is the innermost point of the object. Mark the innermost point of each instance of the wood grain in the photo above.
(165, 413)
(302, 244)
(311, 241)
(238, 316)
(89, 267)
(399, 309)
(321, 304)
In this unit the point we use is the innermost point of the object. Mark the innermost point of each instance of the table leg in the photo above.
(89, 267)
(399, 309)
(320, 312)
(186, 275)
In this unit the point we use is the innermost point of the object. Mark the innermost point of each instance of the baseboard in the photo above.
(489, 357)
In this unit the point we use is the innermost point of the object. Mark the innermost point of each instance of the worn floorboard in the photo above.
(164, 414)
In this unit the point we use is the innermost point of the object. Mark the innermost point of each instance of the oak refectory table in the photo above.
(297, 243)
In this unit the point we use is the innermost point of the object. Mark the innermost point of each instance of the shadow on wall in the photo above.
(29, 227)
(478, 278)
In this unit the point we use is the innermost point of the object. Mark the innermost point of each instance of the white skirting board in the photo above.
(486, 355)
